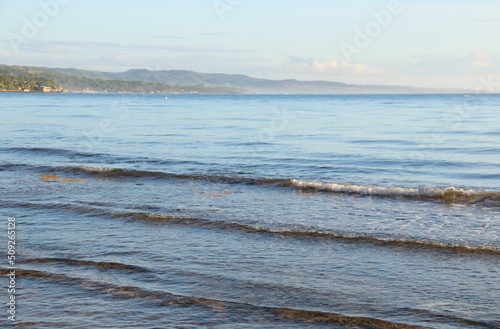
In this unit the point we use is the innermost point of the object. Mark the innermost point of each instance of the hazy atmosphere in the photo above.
(250, 164)
(417, 43)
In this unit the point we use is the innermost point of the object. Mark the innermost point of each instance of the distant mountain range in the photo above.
(182, 81)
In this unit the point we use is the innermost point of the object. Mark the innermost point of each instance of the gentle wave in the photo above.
(169, 299)
(449, 194)
(12, 166)
(446, 318)
(130, 173)
(52, 151)
(43, 324)
(77, 262)
(250, 229)
(446, 194)
(97, 156)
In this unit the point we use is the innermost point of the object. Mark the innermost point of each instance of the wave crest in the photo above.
(447, 194)
(219, 306)
(243, 228)
(451, 194)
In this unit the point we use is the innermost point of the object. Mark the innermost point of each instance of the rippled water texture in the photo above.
(252, 211)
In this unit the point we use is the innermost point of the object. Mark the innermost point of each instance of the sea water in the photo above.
(252, 211)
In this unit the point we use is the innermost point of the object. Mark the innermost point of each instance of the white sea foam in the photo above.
(449, 193)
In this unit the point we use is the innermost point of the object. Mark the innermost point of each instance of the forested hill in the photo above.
(182, 81)
(26, 83)
(21, 78)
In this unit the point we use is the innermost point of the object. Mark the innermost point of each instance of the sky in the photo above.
(442, 44)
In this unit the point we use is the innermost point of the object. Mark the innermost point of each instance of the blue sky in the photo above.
(405, 42)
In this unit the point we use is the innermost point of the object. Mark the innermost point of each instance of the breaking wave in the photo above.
(446, 194)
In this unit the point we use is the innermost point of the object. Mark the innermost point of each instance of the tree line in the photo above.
(21, 83)
(19, 78)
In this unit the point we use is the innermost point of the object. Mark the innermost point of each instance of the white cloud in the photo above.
(328, 67)
(42, 46)
(470, 64)
(481, 60)
(488, 20)
(480, 64)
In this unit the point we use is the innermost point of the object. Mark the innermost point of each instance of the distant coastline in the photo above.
(141, 81)
(32, 91)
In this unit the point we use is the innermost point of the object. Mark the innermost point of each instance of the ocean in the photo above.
(250, 211)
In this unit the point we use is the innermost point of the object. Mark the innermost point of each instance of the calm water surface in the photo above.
(253, 211)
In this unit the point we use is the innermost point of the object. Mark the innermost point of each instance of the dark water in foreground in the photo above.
(252, 211)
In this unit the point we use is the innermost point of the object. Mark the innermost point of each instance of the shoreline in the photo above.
(257, 94)
(31, 92)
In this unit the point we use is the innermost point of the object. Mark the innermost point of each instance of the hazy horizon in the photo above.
(367, 43)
